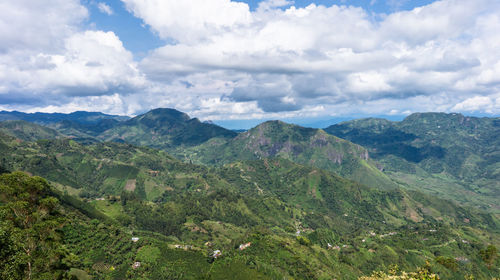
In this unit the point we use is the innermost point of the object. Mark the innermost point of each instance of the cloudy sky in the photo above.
(235, 60)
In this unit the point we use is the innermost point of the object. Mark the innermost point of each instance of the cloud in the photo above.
(287, 60)
(190, 21)
(44, 24)
(62, 61)
(488, 104)
(104, 8)
(225, 61)
(271, 4)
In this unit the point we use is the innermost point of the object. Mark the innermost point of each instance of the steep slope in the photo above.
(302, 145)
(170, 204)
(27, 131)
(450, 155)
(165, 129)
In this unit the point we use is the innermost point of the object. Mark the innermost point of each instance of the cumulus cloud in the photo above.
(287, 60)
(61, 61)
(44, 24)
(224, 60)
(190, 21)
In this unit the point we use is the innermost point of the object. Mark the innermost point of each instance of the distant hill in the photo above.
(299, 144)
(450, 155)
(28, 131)
(165, 129)
(50, 118)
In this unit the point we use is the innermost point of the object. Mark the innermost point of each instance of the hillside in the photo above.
(299, 144)
(27, 131)
(265, 202)
(164, 129)
(51, 118)
(85, 133)
(448, 155)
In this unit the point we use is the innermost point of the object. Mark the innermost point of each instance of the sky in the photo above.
(240, 62)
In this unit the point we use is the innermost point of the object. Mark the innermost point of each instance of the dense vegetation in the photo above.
(193, 141)
(164, 129)
(28, 131)
(302, 145)
(268, 216)
(447, 155)
(52, 118)
(288, 212)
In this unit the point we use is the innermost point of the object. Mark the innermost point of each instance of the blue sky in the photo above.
(238, 64)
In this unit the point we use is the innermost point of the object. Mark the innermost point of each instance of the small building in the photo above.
(135, 239)
(136, 265)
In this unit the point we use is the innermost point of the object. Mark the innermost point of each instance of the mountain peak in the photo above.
(165, 128)
(280, 131)
(161, 117)
(173, 113)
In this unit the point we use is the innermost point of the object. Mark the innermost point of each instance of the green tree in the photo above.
(489, 255)
(28, 234)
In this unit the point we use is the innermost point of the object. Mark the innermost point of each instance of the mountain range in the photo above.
(449, 155)
(278, 201)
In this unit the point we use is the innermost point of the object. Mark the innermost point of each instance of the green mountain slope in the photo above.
(164, 129)
(27, 131)
(302, 145)
(51, 118)
(448, 155)
(265, 202)
(85, 133)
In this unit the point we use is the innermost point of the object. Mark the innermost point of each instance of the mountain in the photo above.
(164, 129)
(27, 131)
(299, 144)
(50, 118)
(286, 213)
(85, 133)
(449, 155)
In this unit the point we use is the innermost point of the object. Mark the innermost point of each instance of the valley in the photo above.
(305, 204)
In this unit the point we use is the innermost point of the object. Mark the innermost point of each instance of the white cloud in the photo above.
(334, 56)
(62, 61)
(189, 21)
(44, 24)
(225, 61)
(488, 104)
(104, 8)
